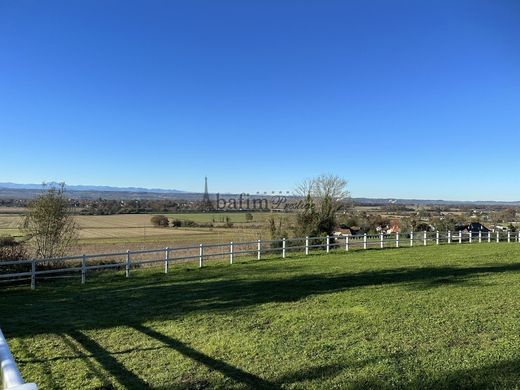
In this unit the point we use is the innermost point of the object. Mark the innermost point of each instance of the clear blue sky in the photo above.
(415, 99)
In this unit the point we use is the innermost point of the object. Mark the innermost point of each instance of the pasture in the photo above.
(422, 317)
(106, 233)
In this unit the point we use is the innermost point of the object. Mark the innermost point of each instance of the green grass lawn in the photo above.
(422, 317)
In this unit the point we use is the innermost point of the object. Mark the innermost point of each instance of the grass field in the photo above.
(422, 317)
(109, 233)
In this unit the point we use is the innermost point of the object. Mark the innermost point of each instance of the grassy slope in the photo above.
(413, 318)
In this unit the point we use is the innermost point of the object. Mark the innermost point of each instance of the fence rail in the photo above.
(31, 269)
(11, 377)
(201, 253)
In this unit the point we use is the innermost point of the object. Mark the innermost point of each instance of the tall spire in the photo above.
(206, 202)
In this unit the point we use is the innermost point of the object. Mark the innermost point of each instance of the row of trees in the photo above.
(164, 221)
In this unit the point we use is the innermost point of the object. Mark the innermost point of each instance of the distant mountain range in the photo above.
(15, 186)
(27, 191)
(438, 202)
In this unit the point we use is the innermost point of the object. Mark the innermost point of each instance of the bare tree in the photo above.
(332, 187)
(49, 225)
(324, 196)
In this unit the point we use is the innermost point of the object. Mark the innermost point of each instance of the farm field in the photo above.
(416, 318)
(134, 231)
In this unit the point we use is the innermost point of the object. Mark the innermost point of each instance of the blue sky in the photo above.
(410, 99)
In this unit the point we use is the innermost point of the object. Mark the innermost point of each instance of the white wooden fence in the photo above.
(81, 265)
(11, 377)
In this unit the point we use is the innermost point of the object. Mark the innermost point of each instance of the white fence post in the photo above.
(83, 259)
(83, 269)
(166, 259)
(328, 244)
(128, 264)
(33, 274)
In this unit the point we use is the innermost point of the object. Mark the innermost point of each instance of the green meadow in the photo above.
(414, 318)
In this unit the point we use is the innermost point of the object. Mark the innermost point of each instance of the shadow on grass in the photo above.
(126, 377)
(61, 311)
(226, 369)
(502, 375)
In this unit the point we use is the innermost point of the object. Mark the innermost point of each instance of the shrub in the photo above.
(7, 241)
(15, 252)
(228, 223)
(190, 223)
(160, 221)
(50, 224)
(10, 250)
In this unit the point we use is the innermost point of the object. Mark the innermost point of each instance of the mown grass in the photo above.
(422, 317)
(108, 233)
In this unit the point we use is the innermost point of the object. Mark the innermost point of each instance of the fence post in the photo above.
(83, 269)
(259, 250)
(518, 238)
(33, 274)
(346, 243)
(424, 238)
(328, 244)
(480, 236)
(283, 248)
(397, 239)
(460, 236)
(364, 241)
(508, 236)
(449, 237)
(411, 238)
(498, 236)
(201, 256)
(307, 245)
(470, 237)
(382, 237)
(128, 264)
(231, 254)
(437, 236)
(166, 259)
(489, 236)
